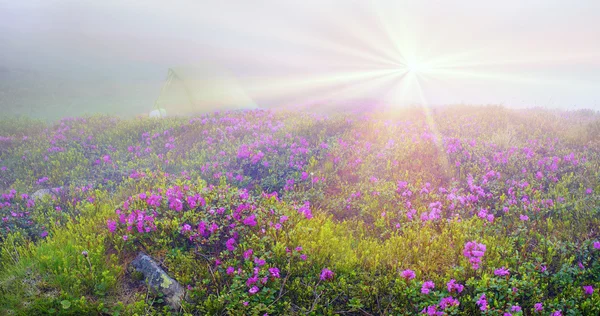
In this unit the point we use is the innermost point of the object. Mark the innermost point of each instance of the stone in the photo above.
(159, 280)
(40, 194)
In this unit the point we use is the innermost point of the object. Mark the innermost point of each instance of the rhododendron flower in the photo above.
(125, 237)
(112, 225)
(515, 308)
(453, 286)
(250, 220)
(254, 290)
(259, 262)
(501, 272)
(588, 290)
(274, 272)
(556, 313)
(474, 251)
(482, 302)
(186, 228)
(448, 301)
(524, 217)
(230, 244)
(230, 270)
(247, 254)
(408, 274)
(597, 245)
(326, 274)
(427, 287)
(538, 307)
(431, 310)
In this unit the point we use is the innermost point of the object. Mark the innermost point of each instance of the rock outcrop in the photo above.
(157, 279)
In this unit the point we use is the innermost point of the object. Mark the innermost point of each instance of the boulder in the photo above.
(40, 194)
(157, 279)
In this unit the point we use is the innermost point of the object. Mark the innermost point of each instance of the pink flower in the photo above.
(501, 272)
(259, 262)
(254, 290)
(274, 272)
(408, 274)
(230, 244)
(453, 286)
(524, 217)
(482, 302)
(538, 307)
(427, 287)
(248, 254)
(474, 251)
(186, 228)
(125, 237)
(112, 225)
(597, 245)
(230, 270)
(250, 220)
(326, 274)
(448, 301)
(588, 290)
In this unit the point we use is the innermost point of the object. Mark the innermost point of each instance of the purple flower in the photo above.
(501, 272)
(186, 228)
(274, 272)
(556, 313)
(427, 287)
(112, 225)
(515, 308)
(326, 274)
(474, 251)
(538, 307)
(588, 191)
(259, 262)
(230, 270)
(453, 286)
(250, 220)
(125, 237)
(44, 234)
(230, 244)
(524, 217)
(597, 245)
(588, 290)
(248, 254)
(254, 290)
(482, 302)
(408, 274)
(448, 301)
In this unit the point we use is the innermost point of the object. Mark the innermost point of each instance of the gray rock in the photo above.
(40, 194)
(158, 279)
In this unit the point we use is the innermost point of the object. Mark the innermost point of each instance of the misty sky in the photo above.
(516, 53)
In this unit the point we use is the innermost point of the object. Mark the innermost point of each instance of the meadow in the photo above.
(463, 210)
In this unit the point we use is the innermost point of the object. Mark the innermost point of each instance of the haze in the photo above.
(60, 58)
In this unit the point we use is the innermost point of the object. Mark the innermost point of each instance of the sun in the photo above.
(417, 67)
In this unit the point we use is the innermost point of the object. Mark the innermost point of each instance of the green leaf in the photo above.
(65, 304)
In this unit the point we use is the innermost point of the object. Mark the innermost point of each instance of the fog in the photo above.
(64, 58)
